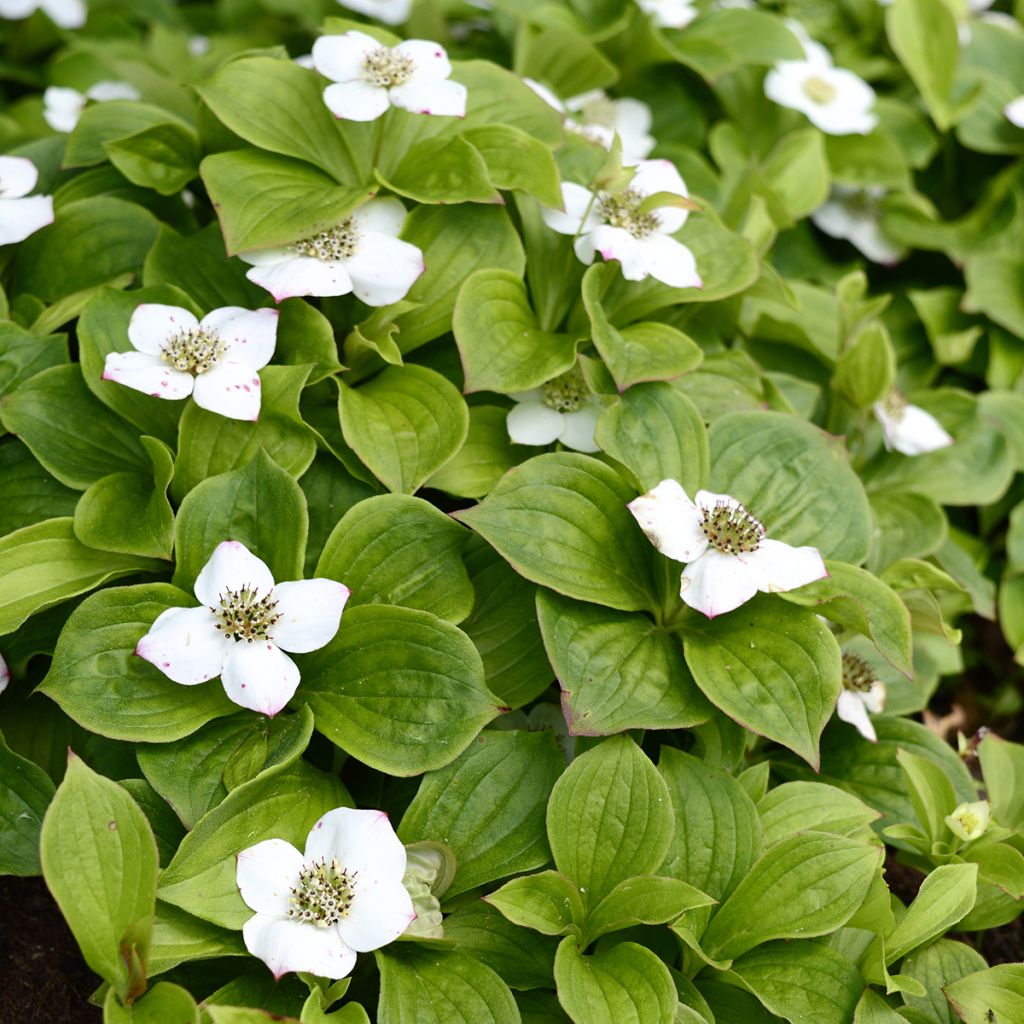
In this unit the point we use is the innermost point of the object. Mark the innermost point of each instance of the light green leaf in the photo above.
(163, 157)
(643, 899)
(515, 160)
(945, 896)
(181, 938)
(547, 902)
(998, 990)
(936, 966)
(25, 353)
(25, 793)
(811, 806)
(442, 171)
(1002, 766)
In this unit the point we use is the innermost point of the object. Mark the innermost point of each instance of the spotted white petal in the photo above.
(578, 214)
(20, 218)
(310, 613)
(356, 101)
(232, 566)
(430, 96)
(717, 583)
(671, 521)
(384, 216)
(341, 58)
(301, 275)
(65, 13)
(662, 176)
(578, 428)
(229, 389)
(391, 12)
(380, 912)
(18, 176)
(780, 567)
(383, 268)
(669, 261)
(913, 432)
(361, 841)
(185, 644)
(250, 335)
(429, 59)
(285, 945)
(259, 676)
(153, 323)
(850, 708)
(148, 374)
(265, 874)
(618, 244)
(533, 423)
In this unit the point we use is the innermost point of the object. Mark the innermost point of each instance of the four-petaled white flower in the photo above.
(245, 624)
(563, 409)
(833, 99)
(618, 227)
(5, 674)
(362, 254)
(21, 214)
(63, 106)
(669, 13)
(854, 214)
(65, 13)
(316, 910)
(598, 117)
(862, 693)
(391, 12)
(909, 429)
(729, 558)
(214, 359)
(368, 77)
(1014, 111)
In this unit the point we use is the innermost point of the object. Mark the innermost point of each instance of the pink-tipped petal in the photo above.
(185, 644)
(850, 708)
(671, 522)
(717, 583)
(780, 567)
(153, 323)
(148, 374)
(5, 674)
(229, 389)
(380, 912)
(18, 176)
(265, 875)
(669, 261)
(356, 101)
(384, 216)
(310, 613)
(259, 676)
(232, 566)
(361, 841)
(430, 96)
(430, 59)
(20, 218)
(249, 334)
(618, 244)
(383, 269)
(342, 58)
(301, 275)
(285, 945)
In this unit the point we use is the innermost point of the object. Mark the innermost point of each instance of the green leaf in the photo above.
(795, 478)
(99, 860)
(907, 526)
(773, 668)
(931, 793)
(803, 982)
(25, 793)
(626, 984)
(404, 424)
(945, 897)
(515, 160)
(31, 495)
(24, 354)
(561, 520)
(643, 899)
(617, 671)
(165, 1002)
(442, 171)
(936, 966)
(82, 445)
(97, 680)
(163, 157)
(250, 505)
(398, 550)
(609, 818)
(46, 564)
(1002, 766)
(809, 884)
(263, 200)
(866, 370)
(501, 345)
(421, 986)
(105, 122)
(547, 902)
(811, 807)
(399, 689)
(283, 803)
(489, 806)
(276, 105)
(179, 938)
(873, 1009)
(994, 287)
(657, 432)
(998, 990)
(718, 835)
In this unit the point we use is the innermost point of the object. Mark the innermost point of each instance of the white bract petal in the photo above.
(344, 894)
(259, 676)
(578, 428)
(835, 100)
(231, 567)
(908, 428)
(299, 275)
(855, 215)
(383, 269)
(102, 92)
(851, 708)
(391, 12)
(781, 567)
(65, 13)
(185, 644)
(669, 13)
(5, 674)
(20, 218)
(310, 613)
(717, 583)
(671, 522)
(62, 107)
(564, 409)
(18, 176)
(425, 96)
(533, 423)
(229, 389)
(250, 335)
(578, 213)
(148, 374)
(1014, 111)
(969, 820)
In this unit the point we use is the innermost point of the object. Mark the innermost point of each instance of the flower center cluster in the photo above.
(244, 615)
(600, 111)
(337, 243)
(622, 210)
(567, 393)
(193, 350)
(857, 674)
(731, 529)
(894, 405)
(387, 68)
(322, 895)
(817, 90)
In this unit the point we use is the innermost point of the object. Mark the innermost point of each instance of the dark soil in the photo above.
(43, 979)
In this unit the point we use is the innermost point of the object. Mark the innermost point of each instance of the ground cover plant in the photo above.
(513, 511)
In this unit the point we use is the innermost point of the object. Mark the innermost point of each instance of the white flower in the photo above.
(729, 557)
(1014, 110)
(5, 674)
(198, 45)
(65, 13)
(214, 359)
(969, 820)
(600, 118)
(243, 627)
(368, 77)
(21, 214)
(563, 410)
(614, 225)
(62, 107)
(835, 100)
(909, 429)
(861, 693)
(305, 60)
(344, 895)
(669, 13)
(391, 12)
(362, 254)
(854, 214)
